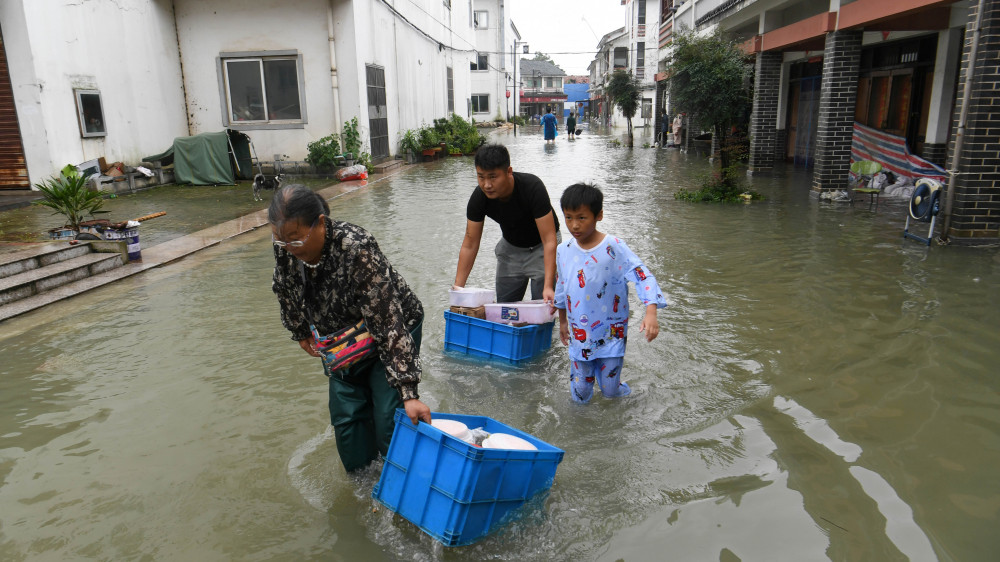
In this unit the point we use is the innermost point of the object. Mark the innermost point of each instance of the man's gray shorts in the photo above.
(516, 267)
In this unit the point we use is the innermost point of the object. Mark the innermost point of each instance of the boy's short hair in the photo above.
(492, 157)
(582, 194)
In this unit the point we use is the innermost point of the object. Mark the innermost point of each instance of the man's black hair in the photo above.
(580, 195)
(493, 157)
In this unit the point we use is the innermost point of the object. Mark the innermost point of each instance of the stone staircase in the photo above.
(35, 277)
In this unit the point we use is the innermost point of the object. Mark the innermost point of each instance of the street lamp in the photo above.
(513, 53)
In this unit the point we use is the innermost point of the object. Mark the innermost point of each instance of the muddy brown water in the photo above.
(820, 389)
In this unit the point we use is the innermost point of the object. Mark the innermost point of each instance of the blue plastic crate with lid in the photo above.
(457, 492)
(493, 340)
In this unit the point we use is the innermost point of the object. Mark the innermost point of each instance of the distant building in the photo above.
(612, 53)
(492, 69)
(123, 83)
(823, 70)
(542, 86)
(577, 99)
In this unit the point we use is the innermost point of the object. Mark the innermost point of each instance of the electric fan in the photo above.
(924, 206)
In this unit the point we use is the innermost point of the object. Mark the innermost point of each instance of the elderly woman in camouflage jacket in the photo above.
(329, 275)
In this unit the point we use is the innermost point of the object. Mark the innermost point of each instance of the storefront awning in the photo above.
(541, 99)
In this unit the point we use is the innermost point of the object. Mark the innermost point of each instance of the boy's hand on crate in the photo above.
(417, 411)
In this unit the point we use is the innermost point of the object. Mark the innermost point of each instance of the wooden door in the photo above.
(13, 169)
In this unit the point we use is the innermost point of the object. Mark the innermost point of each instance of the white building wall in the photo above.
(497, 40)
(127, 50)
(414, 56)
(207, 29)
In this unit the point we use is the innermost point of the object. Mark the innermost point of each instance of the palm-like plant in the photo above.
(70, 197)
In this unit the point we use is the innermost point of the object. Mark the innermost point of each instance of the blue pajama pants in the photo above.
(605, 370)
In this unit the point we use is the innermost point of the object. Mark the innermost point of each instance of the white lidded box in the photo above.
(471, 297)
(530, 312)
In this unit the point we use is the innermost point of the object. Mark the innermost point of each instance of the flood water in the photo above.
(821, 389)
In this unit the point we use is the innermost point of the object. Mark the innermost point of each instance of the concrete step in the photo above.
(15, 263)
(38, 280)
(68, 290)
(388, 166)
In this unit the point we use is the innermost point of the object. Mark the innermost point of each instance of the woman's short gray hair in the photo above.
(296, 202)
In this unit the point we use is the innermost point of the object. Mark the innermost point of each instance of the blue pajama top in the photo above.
(592, 286)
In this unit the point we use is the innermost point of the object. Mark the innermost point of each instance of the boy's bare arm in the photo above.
(649, 323)
(563, 327)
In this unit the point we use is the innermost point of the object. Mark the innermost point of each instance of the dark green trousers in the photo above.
(362, 410)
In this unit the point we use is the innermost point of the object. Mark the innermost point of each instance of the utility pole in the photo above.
(513, 52)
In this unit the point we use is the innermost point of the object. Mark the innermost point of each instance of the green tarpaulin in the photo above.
(206, 159)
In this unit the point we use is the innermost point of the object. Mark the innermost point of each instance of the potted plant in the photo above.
(409, 145)
(69, 196)
(428, 140)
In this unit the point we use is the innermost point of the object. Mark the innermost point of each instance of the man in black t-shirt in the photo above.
(519, 203)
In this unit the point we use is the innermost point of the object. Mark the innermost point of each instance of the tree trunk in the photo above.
(724, 155)
(628, 120)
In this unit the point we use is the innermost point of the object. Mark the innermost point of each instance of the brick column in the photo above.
(976, 212)
(841, 62)
(780, 145)
(936, 153)
(764, 120)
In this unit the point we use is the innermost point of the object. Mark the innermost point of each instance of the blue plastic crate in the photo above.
(456, 492)
(493, 340)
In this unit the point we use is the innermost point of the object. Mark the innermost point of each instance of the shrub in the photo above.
(366, 159)
(725, 186)
(352, 138)
(324, 152)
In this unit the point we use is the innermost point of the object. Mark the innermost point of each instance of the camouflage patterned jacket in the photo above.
(354, 280)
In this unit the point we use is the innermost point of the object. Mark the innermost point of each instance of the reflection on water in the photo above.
(820, 389)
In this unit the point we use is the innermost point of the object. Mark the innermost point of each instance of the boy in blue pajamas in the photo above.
(593, 270)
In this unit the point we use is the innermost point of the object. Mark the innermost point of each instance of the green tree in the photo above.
(708, 80)
(542, 56)
(624, 91)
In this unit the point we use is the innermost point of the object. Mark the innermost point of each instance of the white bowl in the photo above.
(507, 441)
(454, 428)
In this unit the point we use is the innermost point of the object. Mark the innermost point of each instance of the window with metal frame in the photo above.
(262, 90)
(482, 62)
(451, 90)
(480, 19)
(90, 111)
(480, 103)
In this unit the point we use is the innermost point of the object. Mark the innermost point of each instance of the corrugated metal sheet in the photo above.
(13, 169)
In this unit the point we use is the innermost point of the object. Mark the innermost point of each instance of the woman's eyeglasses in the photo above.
(293, 243)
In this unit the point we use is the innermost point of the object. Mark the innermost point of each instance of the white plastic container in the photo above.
(454, 428)
(531, 312)
(508, 441)
(471, 297)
